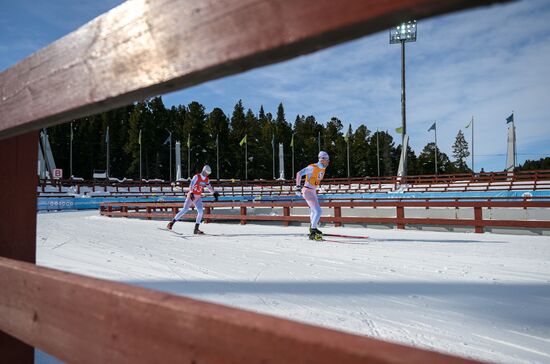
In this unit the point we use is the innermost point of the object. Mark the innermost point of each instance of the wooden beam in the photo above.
(18, 160)
(86, 320)
(145, 48)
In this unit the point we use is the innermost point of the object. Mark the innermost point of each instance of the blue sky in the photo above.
(483, 63)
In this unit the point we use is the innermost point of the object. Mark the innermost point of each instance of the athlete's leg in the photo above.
(186, 207)
(198, 205)
(313, 202)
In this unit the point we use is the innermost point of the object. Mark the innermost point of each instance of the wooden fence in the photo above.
(167, 210)
(141, 49)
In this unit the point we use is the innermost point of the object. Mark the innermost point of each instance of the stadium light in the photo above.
(403, 33)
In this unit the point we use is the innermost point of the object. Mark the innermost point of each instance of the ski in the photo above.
(172, 231)
(347, 236)
(342, 242)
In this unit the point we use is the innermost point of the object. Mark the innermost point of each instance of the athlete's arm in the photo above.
(305, 171)
(193, 182)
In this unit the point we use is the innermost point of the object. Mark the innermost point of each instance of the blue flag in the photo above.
(510, 119)
(433, 127)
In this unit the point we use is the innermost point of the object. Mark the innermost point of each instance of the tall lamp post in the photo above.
(401, 34)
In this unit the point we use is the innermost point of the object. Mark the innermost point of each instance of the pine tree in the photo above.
(460, 152)
(237, 132)
(267, 141)
(194, 131)
(335, 145)
(359, 152)
(426, 161)
(217, 128)
(255, 148)
(135, 126)
(306, 131)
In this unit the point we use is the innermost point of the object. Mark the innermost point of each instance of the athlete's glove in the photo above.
(298, 190)
(192, 196)
(216, 196)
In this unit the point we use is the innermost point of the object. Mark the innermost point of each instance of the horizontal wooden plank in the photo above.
(85, 320)
(355, 203)
(145, 48)
(537, 224)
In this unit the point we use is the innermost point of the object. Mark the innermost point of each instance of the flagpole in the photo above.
(348, 153)
(217, 156)
(273, 150)
(292, 155)
(170, 157)
(435, 150)
(108, 141)
(515, 147)
(140, 168)
(378, 151)
(473, 168)
(246, 159)
(319, 141)
(71, 153)
(189, 156)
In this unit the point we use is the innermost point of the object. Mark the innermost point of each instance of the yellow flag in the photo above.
(399, 130)
(292, 141)
(243, 141)
(139, 139)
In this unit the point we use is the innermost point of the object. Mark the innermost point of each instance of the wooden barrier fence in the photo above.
(86, 320)
(166, 210)
(141, 49)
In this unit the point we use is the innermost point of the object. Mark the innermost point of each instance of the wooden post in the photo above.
(337, 214)
(286, 212)
(243, 213)
(478, 219)
(207, 212)
(18, 158)
(400, 217)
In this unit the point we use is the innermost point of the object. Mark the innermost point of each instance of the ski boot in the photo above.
(197, 231)
(315, 231)
(314, 236)
(170, 225)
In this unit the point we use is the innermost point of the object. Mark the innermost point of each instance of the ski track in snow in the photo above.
(481, 296)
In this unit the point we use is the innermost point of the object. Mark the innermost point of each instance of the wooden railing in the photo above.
(167, 210)
(85, 320)
(141, 49)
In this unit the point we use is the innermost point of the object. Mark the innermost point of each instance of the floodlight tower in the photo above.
(403, 33)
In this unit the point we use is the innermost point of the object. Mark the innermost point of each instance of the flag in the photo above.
(243, 141)
(433, 127)
(346, 138)
(167, 139)
(139, 139)
(292, 141)
(510, 119)
(273, 140)
(217, 141)
(107, 136)
(399, 130)
(470, 123)
(188, 140)
(71, 132)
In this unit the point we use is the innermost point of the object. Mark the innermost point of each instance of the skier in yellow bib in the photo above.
(314, 174)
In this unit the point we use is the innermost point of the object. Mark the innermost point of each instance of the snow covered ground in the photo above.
(476, 295)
